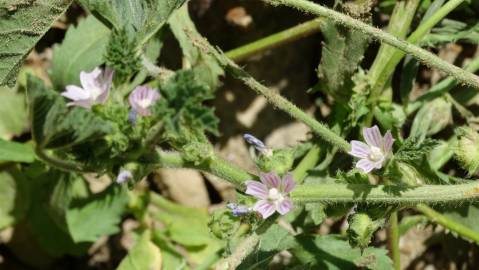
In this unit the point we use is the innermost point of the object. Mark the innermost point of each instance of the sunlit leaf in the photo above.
(22, 25)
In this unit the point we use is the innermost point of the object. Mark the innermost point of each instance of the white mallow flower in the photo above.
(95, 88)
(272, 193)
(374, 153)
(142, 98)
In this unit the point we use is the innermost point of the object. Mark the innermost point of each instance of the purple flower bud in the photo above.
(257, 144)
(132, 116)
(142, 98)
(94, 90)
(124, 176)
(272, 193)
(238, 210)
(374, 153)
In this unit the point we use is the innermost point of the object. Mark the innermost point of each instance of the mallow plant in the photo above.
(109, 107)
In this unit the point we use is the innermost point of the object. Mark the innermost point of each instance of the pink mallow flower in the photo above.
(142, 98)
(272, 193)
(374, 153)
(94, 90)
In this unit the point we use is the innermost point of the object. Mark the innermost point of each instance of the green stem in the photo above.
(435, 18)
(275, 40)
(414, 38)
(393, 238)
(448, 223)
(335, 193)
(216, 166)
(61, 164)
(309, 161)
(424, 56)
(385, 194)
(273, 97)
(411, 221)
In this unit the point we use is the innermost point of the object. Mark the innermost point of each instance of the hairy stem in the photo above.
(393, 239)
(385, 194)
(273, 97)
(441, 88)
(61, 164)
(275, 40)
(448, 223)
(414, 38)
(335, 193)
(216, 166)
(424, 56)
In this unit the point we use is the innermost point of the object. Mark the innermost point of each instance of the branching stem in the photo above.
(448, 223)
(424, 56)
(275, 40)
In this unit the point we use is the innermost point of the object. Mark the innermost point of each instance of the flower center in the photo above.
(144, 103)
(275, 195)
(95, 92)
(375, 153)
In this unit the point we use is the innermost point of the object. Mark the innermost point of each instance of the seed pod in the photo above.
(467, 150)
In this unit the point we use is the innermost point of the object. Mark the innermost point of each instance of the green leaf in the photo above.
(333, 252)
(14, 197)
(182, 109)
(13, 113)
(413, 150)
(53, 192)
(83, 214)
(316, 212)
(82, 49)
(144, 255)
(341, 55)
(141, 18)
(433, 117)
(54, 126)
(451, 31)
(276, 238)
(13, 151)
(185, 225)
(22, 25)
(206, 67)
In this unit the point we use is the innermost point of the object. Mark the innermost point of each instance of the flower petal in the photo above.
(366, 165)
(124, 176)
(285, 206)
(288, 183)
(89, 79)
(74, 92)
(373, 136)
(265, 208)
(271, 180)
(103, 96)
(256, 189)
(388, 142)
(359, 149)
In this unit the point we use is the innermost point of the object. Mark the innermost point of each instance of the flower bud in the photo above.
(361, 229)
(467, 150)
(280, 161)
(223, 224)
